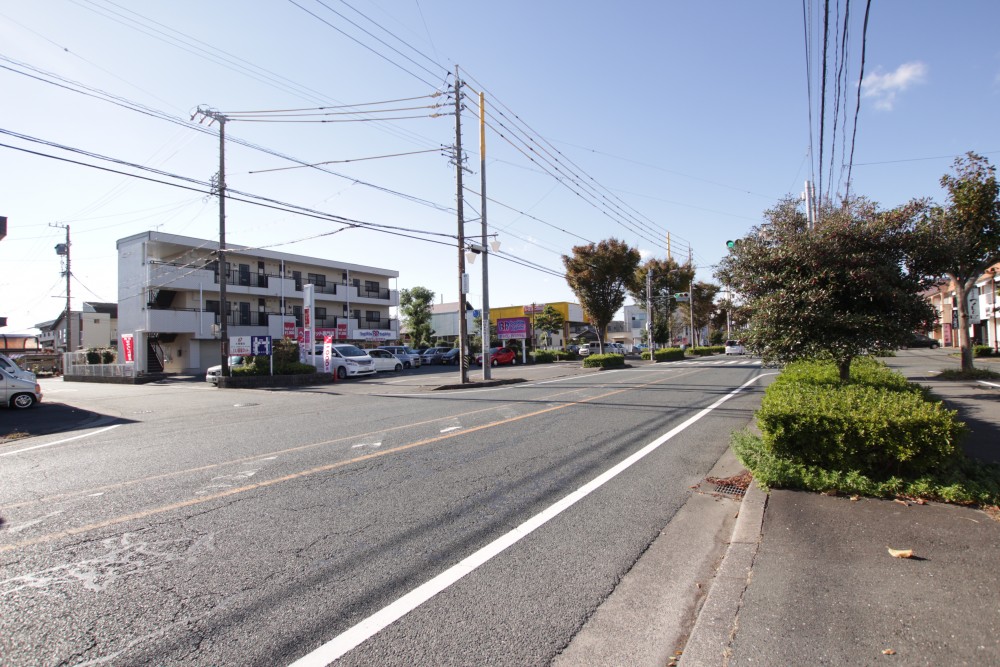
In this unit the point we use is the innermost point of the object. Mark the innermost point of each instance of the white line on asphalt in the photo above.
(451, 428)
(989, 384)
(353, 637)
(59, 442)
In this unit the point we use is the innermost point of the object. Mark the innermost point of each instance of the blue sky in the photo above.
(691, 118)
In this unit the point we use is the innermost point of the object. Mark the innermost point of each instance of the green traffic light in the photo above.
(730, 244)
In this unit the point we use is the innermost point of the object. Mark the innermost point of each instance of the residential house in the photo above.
(984, 316)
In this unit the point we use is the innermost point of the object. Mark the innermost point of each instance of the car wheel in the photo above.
(341, 372)
(408, 365)
(398, 367)
(22, 401)
(513, 360)
(935, 346)
(493, 362)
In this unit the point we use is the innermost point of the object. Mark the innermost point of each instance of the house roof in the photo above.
(101, 307)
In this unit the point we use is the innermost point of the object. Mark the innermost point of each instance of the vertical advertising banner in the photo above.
(328, 354)
(128, 348)
(308, 297)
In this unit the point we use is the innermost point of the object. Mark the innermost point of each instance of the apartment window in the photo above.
(320, 314)
(371, 286)
(212, 306)
(373, 316)
(245, 275)
(297, 277)
(244, 313)
(297, 314)
(317, 279)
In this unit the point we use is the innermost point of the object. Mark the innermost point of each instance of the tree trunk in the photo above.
(964, 342)
(844, 366)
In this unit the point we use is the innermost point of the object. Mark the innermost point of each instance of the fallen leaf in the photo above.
(855, 498)
(901, 502)
(900, 553)
(888, 651)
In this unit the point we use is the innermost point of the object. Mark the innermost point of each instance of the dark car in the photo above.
(432, 355)
(450, 357)
(920, 340)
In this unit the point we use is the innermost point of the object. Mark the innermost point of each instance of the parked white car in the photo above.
(17, 391)
(409, 358)
(348, 360)
(213, 372)
(385, 360)
(734, 347)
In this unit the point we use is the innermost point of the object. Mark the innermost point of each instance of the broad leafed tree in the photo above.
(415, 307)
(839, 290)
(961, 239)
(601, 274)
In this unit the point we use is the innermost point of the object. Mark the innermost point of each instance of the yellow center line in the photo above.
(114, 521)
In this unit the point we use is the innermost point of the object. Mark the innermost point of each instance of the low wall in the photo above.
(264, 381)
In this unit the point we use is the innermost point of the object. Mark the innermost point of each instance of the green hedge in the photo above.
(982, 351)
(544, 356)
(707, 351)
(262, 366)
(668, 354)
(878, 423)
(604, 361)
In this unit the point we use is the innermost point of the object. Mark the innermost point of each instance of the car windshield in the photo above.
(350, 351)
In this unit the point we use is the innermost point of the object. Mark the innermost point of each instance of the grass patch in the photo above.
(962, 481)
(974, 374)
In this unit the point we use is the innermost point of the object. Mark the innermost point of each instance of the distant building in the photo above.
(575, 326)
(984, 315)
(96, 325)
(168, 299)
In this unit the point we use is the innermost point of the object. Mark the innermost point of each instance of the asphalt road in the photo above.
(377, 519)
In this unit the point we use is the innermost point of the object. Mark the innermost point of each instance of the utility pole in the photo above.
(63, 249)
(649, 308)
(223, 273)
(463, 335)
(486, 254)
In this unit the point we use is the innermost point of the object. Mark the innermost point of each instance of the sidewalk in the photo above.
(808, 580)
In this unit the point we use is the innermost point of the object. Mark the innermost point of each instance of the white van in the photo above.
(7, 364)
(18, 392)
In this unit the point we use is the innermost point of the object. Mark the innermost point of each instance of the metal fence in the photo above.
(75, 363)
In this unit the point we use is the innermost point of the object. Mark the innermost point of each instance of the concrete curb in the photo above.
(713, 631)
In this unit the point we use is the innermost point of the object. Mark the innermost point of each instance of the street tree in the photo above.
(838, 290)
(600, 274)
(666, 278)
(703, 303)
(549, 321)
(961, 240)
(415, 307)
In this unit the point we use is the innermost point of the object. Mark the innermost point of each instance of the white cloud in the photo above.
(883, 87)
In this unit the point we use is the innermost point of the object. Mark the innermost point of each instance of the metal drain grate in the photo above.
(730, 490)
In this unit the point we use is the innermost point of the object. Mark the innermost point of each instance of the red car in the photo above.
(499, 355)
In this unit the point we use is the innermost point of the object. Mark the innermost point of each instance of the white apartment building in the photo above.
(168, 299)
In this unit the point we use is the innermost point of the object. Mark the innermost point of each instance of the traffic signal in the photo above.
(730, 244)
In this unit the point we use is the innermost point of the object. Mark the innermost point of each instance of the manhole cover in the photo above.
(244, 405)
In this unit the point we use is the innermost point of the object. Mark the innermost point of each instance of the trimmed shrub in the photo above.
(543, 356)
(107, 356)
(707, 351)
(982, 351)
(93, 356)
(877, 425)
(646, 355)
(668, 354)
(604, 361)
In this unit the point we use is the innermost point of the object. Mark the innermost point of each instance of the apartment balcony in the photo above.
(180, 320)
(180, 277)
(382, 296)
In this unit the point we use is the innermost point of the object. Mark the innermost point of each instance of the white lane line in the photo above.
(59, 442)
(451, 428)
(353, 637)
(989, 384)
